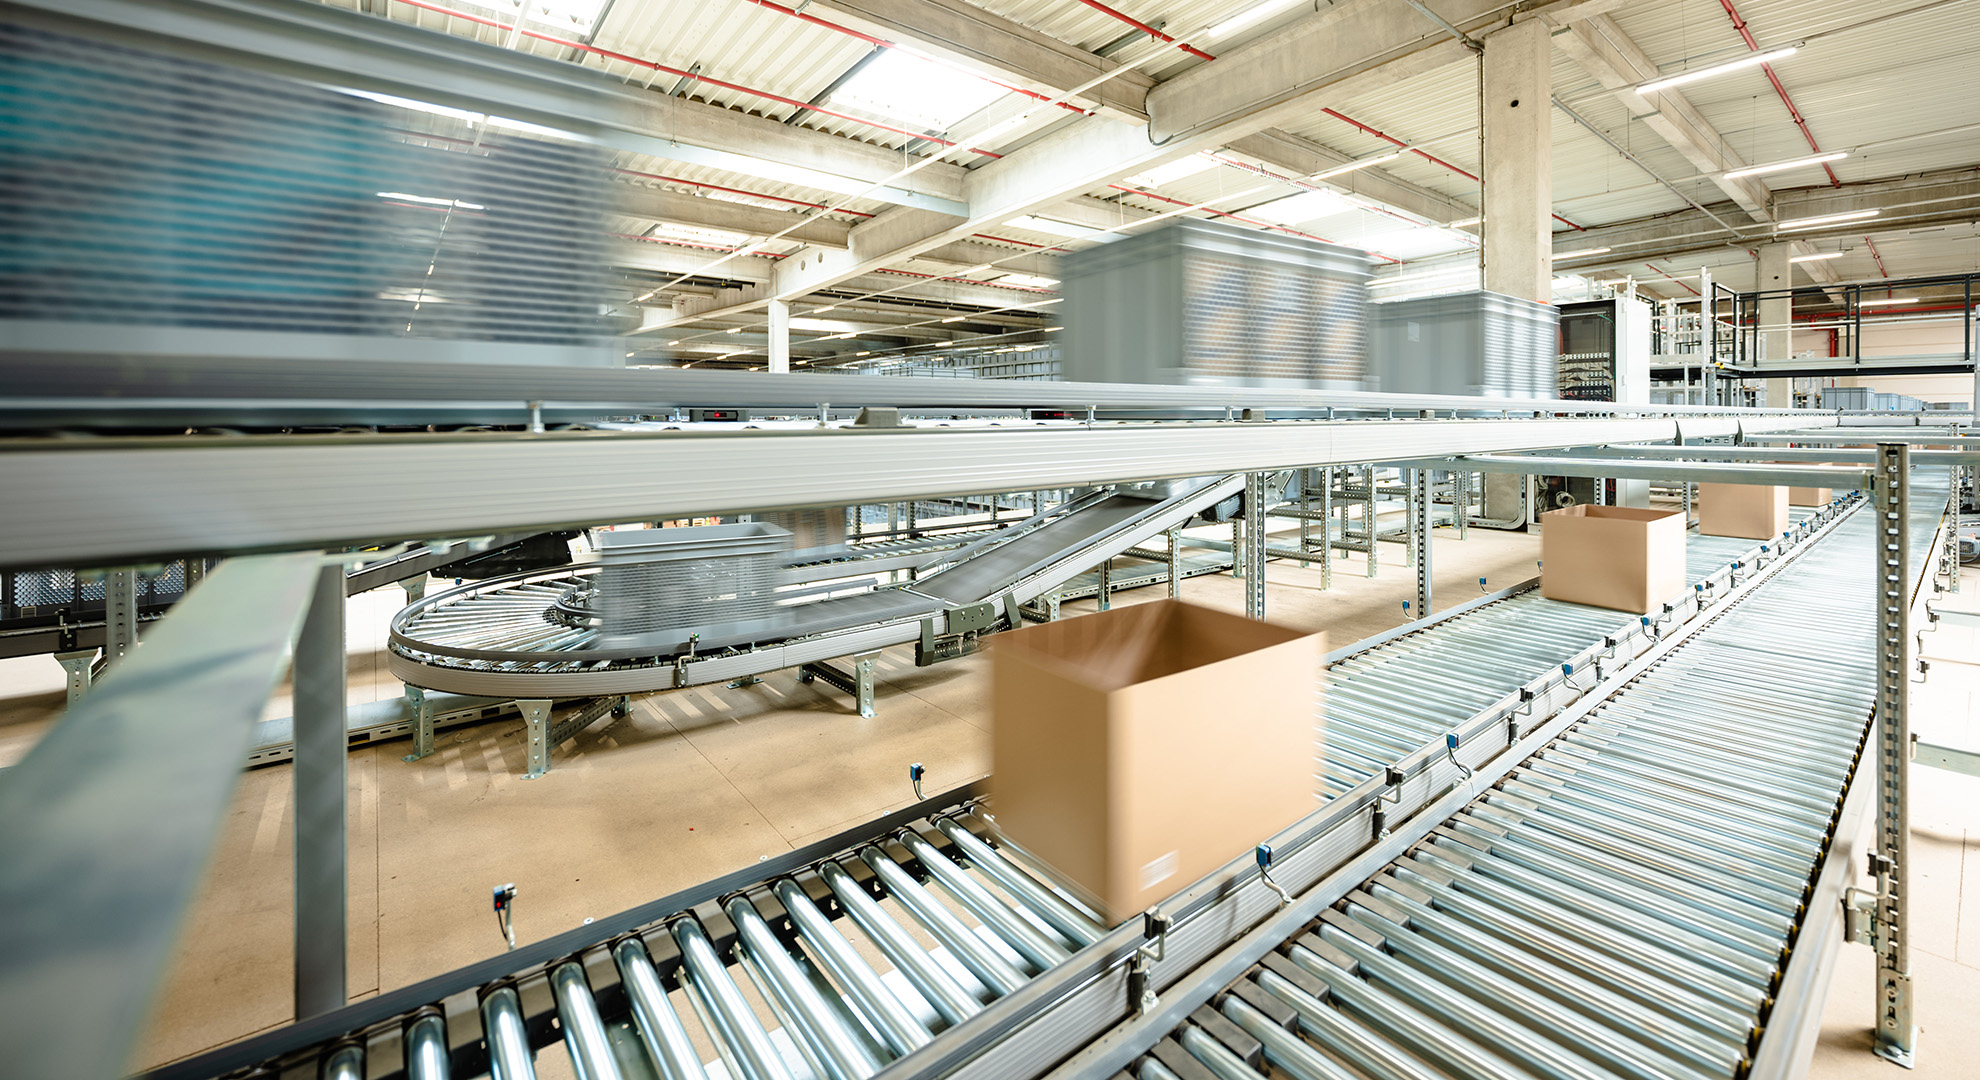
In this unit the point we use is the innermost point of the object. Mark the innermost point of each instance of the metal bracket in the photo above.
(505, 903)
(965, 627)
(1155, 932)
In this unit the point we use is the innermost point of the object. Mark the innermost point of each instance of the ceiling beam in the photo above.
(1603, 50)
(658, 204)
(1948, 197)
(753, 270)
(997, 48)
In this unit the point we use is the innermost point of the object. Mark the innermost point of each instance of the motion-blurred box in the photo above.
(1620, 557)
(1748, 511)
(1136, 750)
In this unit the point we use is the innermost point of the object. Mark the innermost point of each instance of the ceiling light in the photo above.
(1783, 166)
(1052, 329)
(1825, 219)
(1818, 257)
(676, 341)
(802, 323)
(1467, 221)
(733, 330)
(955, 318)
(1027, 281)
(863, 354)
(1424, 275)
(427, 200)
(1581, 252)
(1683, 77)
(1047, 225)
(1254, 14)
(696, 234)
(1173, 171)
(826, 308)
(1304, 206)
(1882, 303)
(901, 86)
(939, 344)
(1417, 243)
(1363, 163)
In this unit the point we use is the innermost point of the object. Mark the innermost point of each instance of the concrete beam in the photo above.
(1519, 162)
(684, 209)
(996, 48)
(1950, 197)
(1618, 63)
(1303, 157)
(756, 272)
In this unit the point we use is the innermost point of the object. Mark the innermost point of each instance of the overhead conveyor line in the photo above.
(160, 498)
(1784, 455)
(1696, 472)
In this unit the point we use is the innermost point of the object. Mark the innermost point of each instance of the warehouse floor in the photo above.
(699, 782)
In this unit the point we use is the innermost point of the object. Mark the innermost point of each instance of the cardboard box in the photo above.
(1136, 750)
(1625, 558)
(1810, 496)
(1749, 511)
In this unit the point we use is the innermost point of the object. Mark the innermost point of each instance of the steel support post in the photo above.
(536, 718)
(1368, 515)
(1424, 506)
(1897, 1034)
(1687, 504)
(1253, 555)
(1327, 528)
(1237, 537)
(1104, 578)
(1461, 488)
(1175, 563)
(1052, 606)
(422, 718)
(77, 664)
(1952, 534)
(415, 588)
(1412, 479)
(863, 682)
(120, 611)
(321, 740)
(1601, 491)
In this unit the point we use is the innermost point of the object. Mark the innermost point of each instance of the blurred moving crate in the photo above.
(1199, 302)
(1467, 343)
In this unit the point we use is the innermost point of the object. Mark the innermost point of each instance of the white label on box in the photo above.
(1162, 869)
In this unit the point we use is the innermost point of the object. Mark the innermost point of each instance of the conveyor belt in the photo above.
(1623, 902)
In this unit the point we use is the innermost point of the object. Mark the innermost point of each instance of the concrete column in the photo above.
(780, 335)
(1774, 343)
(1519, 162)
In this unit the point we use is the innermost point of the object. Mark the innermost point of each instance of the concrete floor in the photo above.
(699, 782)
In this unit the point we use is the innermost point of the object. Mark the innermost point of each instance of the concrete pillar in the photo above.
(780, 335)
(1519, 162)
(1774, 343)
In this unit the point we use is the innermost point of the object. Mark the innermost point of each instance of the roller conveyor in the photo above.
(1623, 903)
(502, 637)
(1384, 701)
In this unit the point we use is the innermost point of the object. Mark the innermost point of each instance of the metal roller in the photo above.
(584, 1032)
(426, 1049)
(738, 1035)
(660, 1028)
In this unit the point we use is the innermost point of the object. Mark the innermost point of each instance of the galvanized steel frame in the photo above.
(1897, 1033)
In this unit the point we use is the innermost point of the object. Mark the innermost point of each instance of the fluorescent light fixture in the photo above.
(903, 87)
(1173, 171)
(1048, 225)
(1051, 329)
(428, 200)
(802, 323)
(1684, 77)
(955, 318)
(674, 342)
(939, 344)
(1581, 253)
(863, 354)
(826, 308)
(1027, 281)
(733, 330)
(572, 16)
(696, 234)
(1417, 243)
(1783, 166)
(1825, 219)
(1479, 220)
(1305, 206)
(1817, 257)
(1363, 163)
(1256, 13)
(1888, 302)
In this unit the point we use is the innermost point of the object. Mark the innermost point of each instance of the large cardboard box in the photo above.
(1810, 496)
(1625, 558)
(1749, 511)
(1136, 750)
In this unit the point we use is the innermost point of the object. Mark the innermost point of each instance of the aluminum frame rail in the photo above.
(1624, 899)
(521, 654)
(161, 498)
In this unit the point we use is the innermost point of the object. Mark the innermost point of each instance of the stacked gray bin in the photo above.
(1202, 303)
(1467, 343)
(1854, 398)
(708, 585)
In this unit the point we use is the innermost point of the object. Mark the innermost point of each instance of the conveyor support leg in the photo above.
(120, 615)
(77, 665)
(1897, 1034)
(422, 716)
(322, 747)
(536, 718)
(1252, 554)
(1175, 563)
(1424, 507)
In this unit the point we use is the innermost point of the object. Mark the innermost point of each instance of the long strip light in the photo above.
(1818, 257)
(1581, 252)
(1825, 219)
(1465, 222)
(1683, 77)
(1884, 303)
(1363, 163)
(1783, 166)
